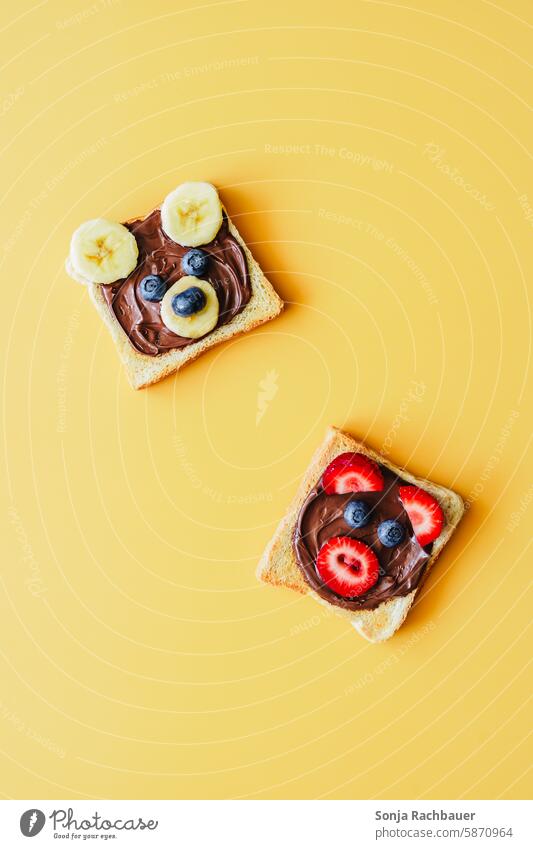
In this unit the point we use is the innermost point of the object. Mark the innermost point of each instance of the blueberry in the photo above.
(390, 533)
(195, 262)
(152, 288)
(356, 514)
(188, 302)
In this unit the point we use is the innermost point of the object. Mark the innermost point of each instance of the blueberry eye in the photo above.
(152, 288)
(390, 533)
(356, 513)
(195, 262)
(189, 302)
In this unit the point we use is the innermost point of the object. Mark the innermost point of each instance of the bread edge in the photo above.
(278, 565)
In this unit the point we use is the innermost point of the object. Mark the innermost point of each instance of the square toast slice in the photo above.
(278, 565)
(143, 370)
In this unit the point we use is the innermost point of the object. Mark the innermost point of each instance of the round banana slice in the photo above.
(198, 323)
(191, 215)
(103, 251)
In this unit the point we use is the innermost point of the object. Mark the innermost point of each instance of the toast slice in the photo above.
(278, 565)
(143, 370)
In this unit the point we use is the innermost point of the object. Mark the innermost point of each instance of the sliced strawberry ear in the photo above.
(351, 472)
(424, 511)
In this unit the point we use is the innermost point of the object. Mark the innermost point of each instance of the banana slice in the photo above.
(103, 251)
(191, 215)
(197, 323)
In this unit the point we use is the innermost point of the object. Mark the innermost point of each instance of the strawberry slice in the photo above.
(347, 566)
(424, 511)
(351, 472)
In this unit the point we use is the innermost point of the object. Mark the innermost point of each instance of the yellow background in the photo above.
(374, 156)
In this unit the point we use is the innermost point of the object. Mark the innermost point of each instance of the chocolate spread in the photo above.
(400, 568)
(141, 320)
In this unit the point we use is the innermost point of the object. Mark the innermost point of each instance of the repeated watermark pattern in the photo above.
(416, 392)
(185, 73)
(527, 208)
(518, 515)
(50, 185)
(355, 157)
(205, 488)
(85, 14)
(493, 460)
(413, 267)
(10, 99)
(10, 716)
(33, 580)
(358, 224)
(391, 660)
(311, 622)
(62, 372)
(267, 391)
(390, 242)
(437, 156)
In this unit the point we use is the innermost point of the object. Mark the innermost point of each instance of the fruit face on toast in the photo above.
(364, 535)
(170, 278)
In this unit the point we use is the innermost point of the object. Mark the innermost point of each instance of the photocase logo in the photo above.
(65, 824)
(32, 822)
(268, 389)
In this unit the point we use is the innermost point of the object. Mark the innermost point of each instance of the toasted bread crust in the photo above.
(143, 370)
(278, 564)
